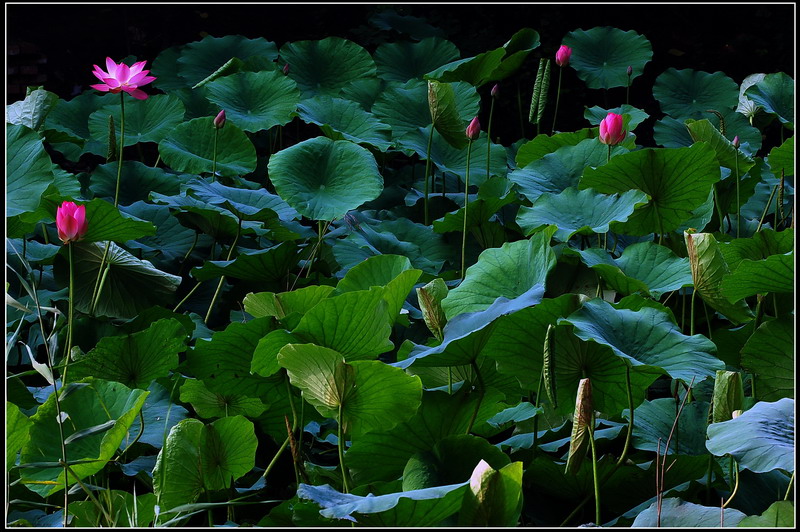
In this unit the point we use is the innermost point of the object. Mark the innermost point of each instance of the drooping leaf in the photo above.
(728, 396)
(33, 110)
(444, 114)
(761, 439)
(495, 496)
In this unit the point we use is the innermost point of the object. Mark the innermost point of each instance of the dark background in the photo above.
(56, 45)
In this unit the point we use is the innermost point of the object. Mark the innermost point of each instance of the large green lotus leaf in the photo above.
(415, 508)
(265, 356)
(674, 512)
(435, 467)
(495, 496)
(223, 362)
(200, 59)
(508, 271)
(210, 404)
(323, 179)
(33, 110)
(147, 120)
(597, 114)
(646, 337)
(369, 395)
(363, 91)
(775, 94)
(136, 182)
(196, 102)
(99, 414)
(327, 65)
(165, 69)
(678, 181)
(465, 334)
(769, 354)
(347, 119)
(427, 250)
(543, 144)
(454, 160)
(760, 439)
(671, 133)
(727, 155)
(601, 56)
(201, 457)
(255, 101)
(779, 514)
(493, 65)
(556, 171)
(392, 272)
(384, 455)
(18, 428)
(29, 170)
(774, 274)
(356, 324)
(172, 240)
(131, 286)
(268, 265)
(189, 148)
(405, 60)
(645, 266)
(579, 212)
(137, 359)
(690, 93)
(295, 302)
(72, 117)
(654, 421)
(405, 107)
(709, 269)
(244, 203)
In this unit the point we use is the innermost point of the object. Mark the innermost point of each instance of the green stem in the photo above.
(736, 485)
(70, 311)
(466, 204)
(736, 165)
(192, 291)
(558, 97)
(121, 145)
(789, 489)
(480, 397)
(489, 141)
(608, 158)
(766, 208)
(95, 294)
(88, 492)
(691, 313)
(103, 277)
(594, 473)
(719, 210)
(214, 159)
(222, 279)
(427, 174)
(345, 483)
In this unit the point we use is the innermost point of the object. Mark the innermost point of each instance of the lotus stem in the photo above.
(489, 141)
(427, 174)
(340, 446)
(735, 467)
(121, 145)
(214, 158)
(466, 205)
(70, 325)
(222, 279)
(101, 282)
(738, 204)
(789, 489)
(480, 397)
(594, 473)
(766, 208)
(558, 97)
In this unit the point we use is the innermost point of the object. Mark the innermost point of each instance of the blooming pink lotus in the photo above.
(121, 77)
(71, 222)
(612, 129)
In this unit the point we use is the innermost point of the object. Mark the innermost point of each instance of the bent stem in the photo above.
(466, 204)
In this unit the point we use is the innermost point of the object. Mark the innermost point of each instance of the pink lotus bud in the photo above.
(630, 70)
(71, 222)
(286, 69)
(473, 129)
(612, 130)
(562, 55)
(495, 90)
(736, 142)
(219, 120)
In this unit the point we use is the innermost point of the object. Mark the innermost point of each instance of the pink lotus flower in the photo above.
(121, 77)
(474, 129)
(612, 130)
(71, 222)
(562, 55)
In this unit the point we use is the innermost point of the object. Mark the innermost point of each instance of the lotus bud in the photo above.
(612, 129)
(286, 69)
(736, 142)
(495, 90)
(630, 71)
(71, 222)
(562, 55)
(219, 120)
(473, 129)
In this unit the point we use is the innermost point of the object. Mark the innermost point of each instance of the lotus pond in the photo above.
(306, 283)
